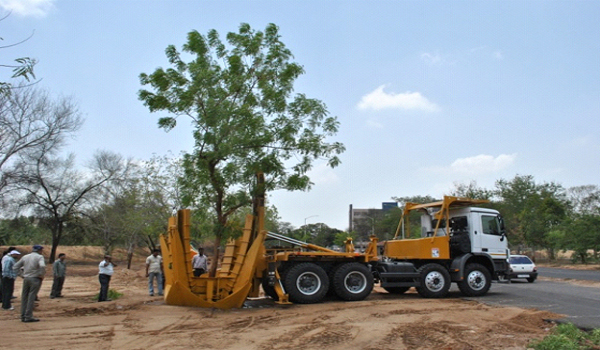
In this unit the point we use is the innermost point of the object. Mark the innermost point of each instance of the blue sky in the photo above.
(427, 93)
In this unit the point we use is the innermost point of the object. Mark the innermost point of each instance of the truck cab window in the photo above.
(490, 225)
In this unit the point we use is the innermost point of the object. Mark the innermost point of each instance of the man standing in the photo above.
(106, 271)
(8, 279)
(59, 270)
(199, 263)
(4, 255)
(33, 271)
(154, 269)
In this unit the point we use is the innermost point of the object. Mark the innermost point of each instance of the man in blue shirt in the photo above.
(59, 270)
(8, 279)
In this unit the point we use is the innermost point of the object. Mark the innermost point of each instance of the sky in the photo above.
(428, 93)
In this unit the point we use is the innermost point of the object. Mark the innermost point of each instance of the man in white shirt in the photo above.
(106, 271)
(154, 270)
(199, 263)
(33, 269)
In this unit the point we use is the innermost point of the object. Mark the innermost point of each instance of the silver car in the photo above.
(522, 267)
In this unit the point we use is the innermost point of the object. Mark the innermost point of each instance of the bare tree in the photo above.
(135, 207)
(32, 124)
(57, 192)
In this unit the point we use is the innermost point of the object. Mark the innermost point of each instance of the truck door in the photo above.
(488, 236)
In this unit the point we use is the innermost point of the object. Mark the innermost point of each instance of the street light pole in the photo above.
(312, 216)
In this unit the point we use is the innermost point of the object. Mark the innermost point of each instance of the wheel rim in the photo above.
(308, 283)
(476, 280)
(355, 282)
(434, 281)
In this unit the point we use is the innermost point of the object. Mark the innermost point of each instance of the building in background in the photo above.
(362, 221)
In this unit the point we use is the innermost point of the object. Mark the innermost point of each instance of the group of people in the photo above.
(32, 268)
(154, 269)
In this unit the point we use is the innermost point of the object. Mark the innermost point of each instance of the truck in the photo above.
(459, 242)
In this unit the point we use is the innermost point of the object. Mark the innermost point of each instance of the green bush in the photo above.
(567, 337)
(112, 294)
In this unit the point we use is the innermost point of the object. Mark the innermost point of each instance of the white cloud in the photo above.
(322, 174)
(379, 99)
(482, 164)
(498, 55)
(374, 124)
(34, 8)
(432, 58)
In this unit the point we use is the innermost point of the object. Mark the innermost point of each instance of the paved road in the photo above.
(584, 275)
(581, 304)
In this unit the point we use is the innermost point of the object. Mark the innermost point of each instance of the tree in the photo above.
(133, 208)
(32, 123)
(513, 198)
(471, 190)
(580, 233)
(56, 191)
(22, 68)
(532, 211)
(585, 199)
(238, 96)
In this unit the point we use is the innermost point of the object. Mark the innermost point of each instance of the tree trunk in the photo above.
(56, 235)
(129, 255)
(215, 261)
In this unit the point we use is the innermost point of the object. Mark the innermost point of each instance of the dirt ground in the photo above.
(138, 321)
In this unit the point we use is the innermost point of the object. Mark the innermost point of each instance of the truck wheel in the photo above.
(531, 279)
(352, 281)
(330, 274)
(269, 290)
(477, 281)
(306, 283)
(434, 281)
(396, 290)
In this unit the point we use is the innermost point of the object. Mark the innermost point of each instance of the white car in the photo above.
(522, 267)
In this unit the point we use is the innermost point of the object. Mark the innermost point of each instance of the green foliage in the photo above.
(341, 237)
(531, 210)
(580, 234)
(567, 337)
(471, 190)
(245, 119)
(23, 231)
(112, 294)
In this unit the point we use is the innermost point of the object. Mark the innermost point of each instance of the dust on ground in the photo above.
(138, 321)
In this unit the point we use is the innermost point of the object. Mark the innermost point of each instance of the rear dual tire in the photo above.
(476, 282)
(306, 283)
(352, 281)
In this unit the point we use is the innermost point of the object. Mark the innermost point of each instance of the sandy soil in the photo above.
(138, 321)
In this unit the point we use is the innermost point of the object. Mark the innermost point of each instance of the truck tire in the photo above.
(531, 279)
(477, 281)
(396, 290)
(352, 281)
(434, 281)
(330, 274)
(269, 290)
(306, 283)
